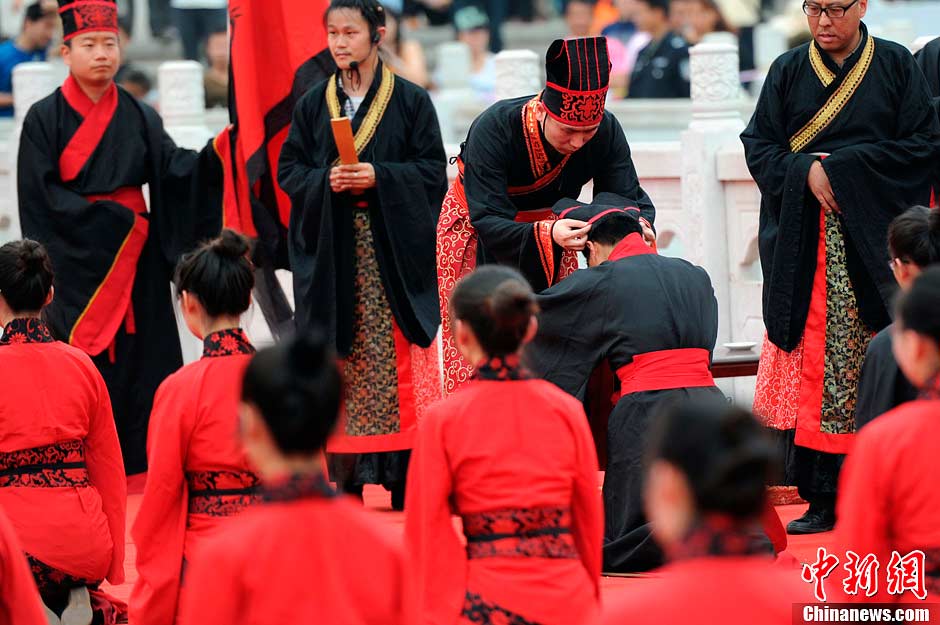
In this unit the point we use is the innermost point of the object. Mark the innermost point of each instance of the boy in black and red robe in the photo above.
(86, 152)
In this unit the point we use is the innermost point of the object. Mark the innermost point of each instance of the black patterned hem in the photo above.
(520, 533)
(476, 610)
(52, 466)
(226, 343)
(221, 493)
(23, 330)
(49, 579)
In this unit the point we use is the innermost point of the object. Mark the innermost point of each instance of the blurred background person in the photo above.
(31, 44)
(215, 78)
(624, 42)
(579, 17)
(707, 464)
(403, 56)
(138, 84)
(662, 67)
(195, 20)
(473, 28)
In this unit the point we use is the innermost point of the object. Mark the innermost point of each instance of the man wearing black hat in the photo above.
(654, 319)
(86, 152)
(520, 157)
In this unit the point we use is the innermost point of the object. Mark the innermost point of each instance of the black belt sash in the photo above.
(520, 533)
(221, 493)
(60, 465)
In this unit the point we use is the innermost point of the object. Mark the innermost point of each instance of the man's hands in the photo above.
(818, 183)
(571, 234)
(355, 178)
(649, 236)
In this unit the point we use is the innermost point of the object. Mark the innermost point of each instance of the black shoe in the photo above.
(398, 497)
(813, 522)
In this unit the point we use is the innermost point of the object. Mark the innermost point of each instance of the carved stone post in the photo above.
(31, 83)
(716, 122)
(183, 103)
(518, 73)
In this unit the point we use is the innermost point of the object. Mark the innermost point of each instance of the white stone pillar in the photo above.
(183, 108)
(183, 102)
(716, 122)
(518, 73)
(31, 83)
(452, 74)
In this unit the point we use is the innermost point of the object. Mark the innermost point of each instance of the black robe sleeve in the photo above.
(571, 339)
(867, 177)
(785, 220)
(618, 174)
(311, 225)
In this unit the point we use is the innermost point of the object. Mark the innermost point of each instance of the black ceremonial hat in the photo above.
(604, 204)
(86, 16)
(577, 75)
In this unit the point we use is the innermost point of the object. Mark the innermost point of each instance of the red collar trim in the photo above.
(79, 100)
(631, 245)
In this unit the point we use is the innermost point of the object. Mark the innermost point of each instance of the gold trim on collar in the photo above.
(825, 75)
(836, 101)
(373, 116)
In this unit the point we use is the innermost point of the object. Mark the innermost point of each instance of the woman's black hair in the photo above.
(296, 385)
(498, 304)
(25, 275)
(372, 12)
(914, 236)
(919, 308)
(220, 274)
(722, 450)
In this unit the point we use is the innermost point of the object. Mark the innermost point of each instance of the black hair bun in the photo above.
(306, 353)
(33, 256)
(231, 244)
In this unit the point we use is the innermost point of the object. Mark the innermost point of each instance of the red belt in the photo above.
(666, 369)
(131, 197)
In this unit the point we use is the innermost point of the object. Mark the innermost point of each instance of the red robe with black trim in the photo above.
(304, 555)
(498, 453)
(735, 590)
(51, 393)
(19, 601)
(889, 499)
(193, 433)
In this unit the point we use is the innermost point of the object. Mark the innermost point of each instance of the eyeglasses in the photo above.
(835, 12)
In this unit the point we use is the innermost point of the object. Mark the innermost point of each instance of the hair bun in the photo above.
(513, 302)
(231, 244)
(306, 353)
(33, 255)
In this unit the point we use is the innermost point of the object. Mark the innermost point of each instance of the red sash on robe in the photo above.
(96, 327)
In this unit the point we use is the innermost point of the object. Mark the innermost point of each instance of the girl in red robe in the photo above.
(199, 476)
(514, 458)
(302, 555)
(889, 501)
(19, 601)
(704, 497)
(62, 481)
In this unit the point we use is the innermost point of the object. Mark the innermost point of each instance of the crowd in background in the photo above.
(649, 38)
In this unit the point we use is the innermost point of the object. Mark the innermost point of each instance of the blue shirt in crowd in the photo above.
(10, 57)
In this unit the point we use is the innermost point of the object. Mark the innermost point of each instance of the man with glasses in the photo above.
(843, 139)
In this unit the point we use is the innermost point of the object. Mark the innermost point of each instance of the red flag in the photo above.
(278, 52)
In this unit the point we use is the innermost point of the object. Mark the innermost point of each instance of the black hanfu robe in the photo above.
(499, 208)
(655, 321)
(81, 169)
(928, 59)
(827, 284)
(363, 265)
(882, 386)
